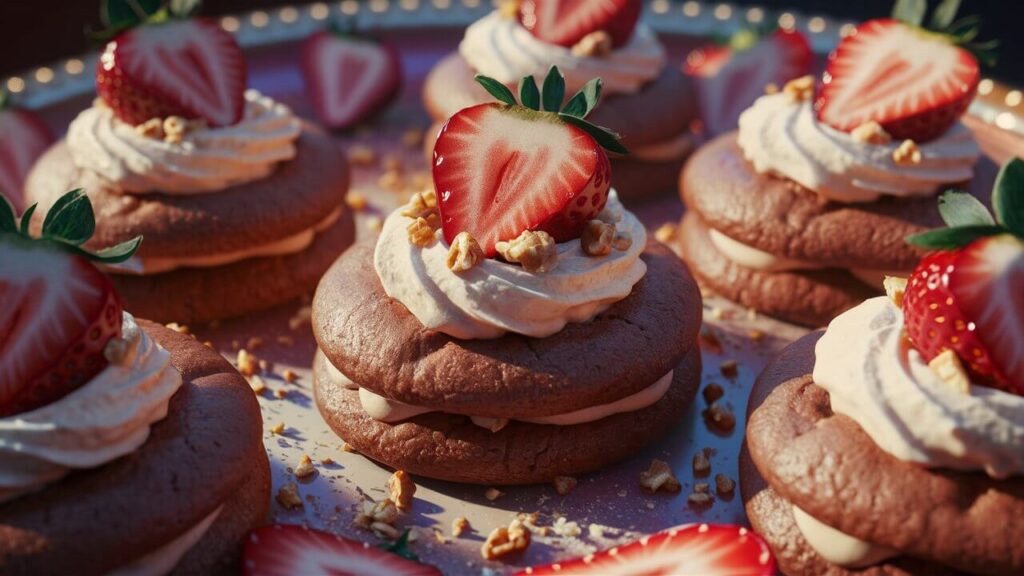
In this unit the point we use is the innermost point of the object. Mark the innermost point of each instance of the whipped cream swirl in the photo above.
(503, 49)
(783, 138)
(876, 378)
(496, 297)
(207, 160)
(105, 419)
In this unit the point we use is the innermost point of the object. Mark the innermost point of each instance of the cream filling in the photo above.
(838, 547)
(666, 151)
(291, 245)
(386, 410)
(162, 560)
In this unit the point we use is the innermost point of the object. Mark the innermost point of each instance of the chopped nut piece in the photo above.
(152, 128)
(280, 393)
(701, 464)
(371, 512)
(493, 494)
(597, 44)
(459, 526)
(713, 392)
(800, 89)
(724, 485)
(247, 363)
(401, 489)
(175, 128)
(665, 233)
(179, 328)
(361, 155)
(305, 467)
(257, 384)
(537, 252)
(385, 530)
(659, 477)
(907, 153)
(771, 88)
(565, 528)
(950, 370)
(417, 207)
(303, 317)
(346, 447)
(755, 335)
(597, 238)
(699, 499)
(464, 254)
(277, 428)
(895, 287)
(729, 368)
(254, 343)
(356, 201)
(289, 376)
(328, 461)
(622, 241)
(421, 233)
(503, 541)
(288, 496)
(374, 223)
(702, 488)
(564, 485)
(871, 132)
(719, 418)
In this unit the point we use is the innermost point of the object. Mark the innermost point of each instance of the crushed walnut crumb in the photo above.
(280, 393)
(493, 494)
(401, 489)
(724, 485)
(277, 428)
(175, 128)
(421, 233)
(597, 238)
(720, 418)
(564, 485)
(378, 517)
(800, 89)
(465, 253)
(895, 287)
(257, 383)
(597, 44)
(327, 461)
(503, 541)
(713, 392)
(771, 88)
(729, 368)
(420, 204)
(247, 363)
(871, 132)
(288, 496)
(701, 464)
(659, 477)
(346, 447)
(459, 526)
(755, 335)
(535, 251)
(305, 467)
(356, 201)
(622, 241)
(665, 233)
(950, 370)
(289, 376)
(362, 155)
(179, 328)
(907, 153)
(152, 129)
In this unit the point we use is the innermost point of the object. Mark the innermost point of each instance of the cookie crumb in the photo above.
(327, 461)
(665, 233)
(713, 392)
(895, 287)
(465, 253)
(356, 201)
(907, 153)
(152, 128)
(503, 541)
(175, 128)
(719, 418)
(413, 137)
(597, 238)
(701, 464)
(289, 376)
(257, 383)
(179, 328)
(280, 393)
(565, 528)
(535, 251)
(950, 370)
(305, 467)
(493, 494)
(597, 44)
(401, 489)
(699, 499)
(459, 526)
(362, 155)
(871, 132)
(729, 368)
(564, 485)
(383, 512)
(288, 496)
(755, 335)
(302, 317)
(800, 89)
(724, 485)
(659, 476)
(702, 488)
(771, 88)
(277, 429)
(346, 447)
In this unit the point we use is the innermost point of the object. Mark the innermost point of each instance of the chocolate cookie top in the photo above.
(781, 217)
(661, 111)
(195, 459)
(378, 343)
(299, 194)
(828, 466)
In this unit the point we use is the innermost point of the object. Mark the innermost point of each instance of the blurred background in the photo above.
(36, 32)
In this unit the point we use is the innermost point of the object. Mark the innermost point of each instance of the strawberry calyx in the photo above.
(121, 15)
(68, 225)
(945, 26)
(546, 104)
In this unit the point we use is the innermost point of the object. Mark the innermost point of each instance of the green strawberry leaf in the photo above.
(952, 238)
(71, 220)
(604, 137)
(401, 547)
(910, 11)
(554, 90)
(183, 8)
(26, 219)
(496, 89)
(961, 209)
(1008, 196)
(944, 14)
(529, 95)
(127, 13)
(584, 102)
(114, 254)
(8, 222)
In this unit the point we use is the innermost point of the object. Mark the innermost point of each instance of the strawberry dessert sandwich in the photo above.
(649, 101)
(241, 203)
(517, 324)
(801, 212)
(126, 448)
(893, 441)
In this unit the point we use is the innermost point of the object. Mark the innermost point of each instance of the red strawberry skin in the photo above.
(972, 301)
(500, 171)
(349, 79)
(23, 138)
(287, 550)
(191, 68)
(58, 314)
(566, 22)
(730, 81)
(697, 549)
(914, 83)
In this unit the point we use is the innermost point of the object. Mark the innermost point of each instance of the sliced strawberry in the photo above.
(691, 550)
(23, 138)
(286, 550)
(58, 314)
(566, 22)
(189, 68)
(502, 170)
(915, 83)
(349, 79)
(971, 300)
(730, 79)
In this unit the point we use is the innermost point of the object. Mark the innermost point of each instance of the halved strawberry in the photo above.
(730, 77)
(189, 68)
(691, 550)
(566, 22)
(347, 78)
(23, 138)
(913, 82)
(288, 550)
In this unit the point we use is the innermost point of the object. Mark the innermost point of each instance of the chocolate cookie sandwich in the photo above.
(648, 101)
(893, 442)
(125, 447)
(516, 324)
(241, 203)
(802, 211)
